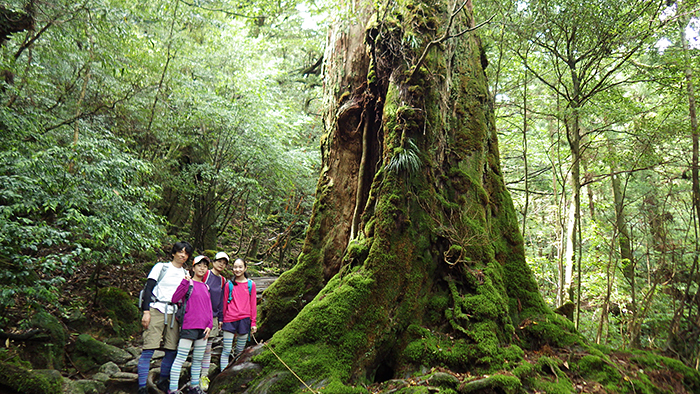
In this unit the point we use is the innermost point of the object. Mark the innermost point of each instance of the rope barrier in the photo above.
(283, 363)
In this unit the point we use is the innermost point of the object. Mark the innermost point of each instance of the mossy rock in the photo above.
(26, 381)
(76, 321)
(91, 353)
(236, 378)
(442, 379)
(275, 382)
(415, 390)
(549, 329)
(85, 386)
(47, 354)
(598, 369)
(671, 372)
(121, 310)
(499, 383)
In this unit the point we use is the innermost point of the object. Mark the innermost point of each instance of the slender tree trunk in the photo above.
(569, 257)
(694, 133)
(627, 260)
(525, 153)
(573, 135)
(564, 268)
(168, 57)
(609, 282)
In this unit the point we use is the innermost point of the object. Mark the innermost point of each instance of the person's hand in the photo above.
(206, 332)
(146, 319)
(187, 277)
(221, 324)
(254, 329)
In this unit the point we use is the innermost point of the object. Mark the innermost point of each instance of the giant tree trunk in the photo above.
(413, 241)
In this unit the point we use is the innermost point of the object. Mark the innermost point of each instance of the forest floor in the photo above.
(80, 292)
(665, 381)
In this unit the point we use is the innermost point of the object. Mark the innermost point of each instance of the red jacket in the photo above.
(244, 302)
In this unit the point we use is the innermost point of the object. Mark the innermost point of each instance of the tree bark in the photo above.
(437, 253)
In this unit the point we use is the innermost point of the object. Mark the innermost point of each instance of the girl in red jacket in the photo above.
(240, 312)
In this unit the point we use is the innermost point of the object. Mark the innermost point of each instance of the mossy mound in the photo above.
(89, 353)
(121, 311)
(22, 380)
(567, 370)
(50, 353)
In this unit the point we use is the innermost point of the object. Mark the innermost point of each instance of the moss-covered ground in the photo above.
(575, 369)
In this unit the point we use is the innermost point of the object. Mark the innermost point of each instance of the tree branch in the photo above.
(93, 112)
(599, 177)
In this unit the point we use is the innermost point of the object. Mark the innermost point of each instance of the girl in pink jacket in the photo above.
(240, 312)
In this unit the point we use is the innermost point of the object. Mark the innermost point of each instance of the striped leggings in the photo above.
(241, 340)
(183, 349)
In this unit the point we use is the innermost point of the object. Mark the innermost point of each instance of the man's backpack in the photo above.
(180, 314)
(230, 289)
(163, 268)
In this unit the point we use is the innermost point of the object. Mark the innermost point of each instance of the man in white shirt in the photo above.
(158, 319)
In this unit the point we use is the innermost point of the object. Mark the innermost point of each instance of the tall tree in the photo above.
(433, 257)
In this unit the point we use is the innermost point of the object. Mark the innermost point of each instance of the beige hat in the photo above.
(222, 255)
(201, 259)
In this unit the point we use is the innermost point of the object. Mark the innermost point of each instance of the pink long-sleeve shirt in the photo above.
(243, 303)
(198, 310)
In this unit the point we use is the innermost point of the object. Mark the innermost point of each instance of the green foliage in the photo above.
(62, 206)
(620, 67)
(405, 160)
(123, 121)
(336, 387)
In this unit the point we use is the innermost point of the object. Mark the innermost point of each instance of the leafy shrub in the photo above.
(62, 206)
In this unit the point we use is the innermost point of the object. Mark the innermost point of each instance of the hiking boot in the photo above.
(195, 390)
(204, 383)
(143, 390)
(163, 384)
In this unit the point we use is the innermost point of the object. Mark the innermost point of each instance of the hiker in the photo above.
(240, 312)
(158, 319)
(215, 280)
(196, 321)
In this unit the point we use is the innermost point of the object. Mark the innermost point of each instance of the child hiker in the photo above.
(240, 312)
(196, 324)
(214, 279)
(158, 319)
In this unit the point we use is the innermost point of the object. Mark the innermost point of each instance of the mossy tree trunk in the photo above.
(413, 254)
